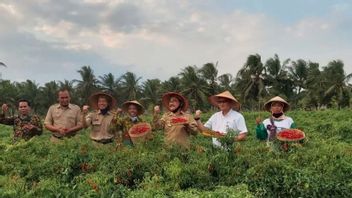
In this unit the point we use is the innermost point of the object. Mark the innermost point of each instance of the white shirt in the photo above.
(280, 124)
(223, 123)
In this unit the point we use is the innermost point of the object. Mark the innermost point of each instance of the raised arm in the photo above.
(200, 125)
(157, 122)
(3, 119)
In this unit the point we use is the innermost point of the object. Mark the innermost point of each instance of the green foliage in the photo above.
(76, 167)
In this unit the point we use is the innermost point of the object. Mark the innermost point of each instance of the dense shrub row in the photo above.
(321, 166)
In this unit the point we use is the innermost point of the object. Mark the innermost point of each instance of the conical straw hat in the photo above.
(267, 105)
(140, 108)
(93, 100)
(166, 98)
(226, 94)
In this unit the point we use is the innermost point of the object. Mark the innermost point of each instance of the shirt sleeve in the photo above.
(158, 123)
(241, 125)
(293, 126)
(209, 123)
(192, 128)
(49, 117)
(89, 118)
(6, 121)
(261, 132)
(79, 116)
(38, 130)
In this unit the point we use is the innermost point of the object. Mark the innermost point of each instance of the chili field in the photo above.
(320, 166)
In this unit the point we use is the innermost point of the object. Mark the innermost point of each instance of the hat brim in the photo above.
(140, 108)
(93, 100)
(267, 105)
(166, 99)
(234, 104)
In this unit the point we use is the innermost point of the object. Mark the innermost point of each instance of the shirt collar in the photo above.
(108, 113)
(228, 113)
(68, 107)
(173, 114)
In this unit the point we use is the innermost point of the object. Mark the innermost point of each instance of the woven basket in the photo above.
(210, 133)
(296, 135)
(143, 129)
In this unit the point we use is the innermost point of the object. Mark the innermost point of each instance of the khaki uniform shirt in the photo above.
(63, 117)
(100, 125)
(176, 133)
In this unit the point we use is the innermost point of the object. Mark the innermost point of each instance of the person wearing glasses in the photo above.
(228, 119)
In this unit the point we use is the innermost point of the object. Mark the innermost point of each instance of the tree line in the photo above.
(304, 84)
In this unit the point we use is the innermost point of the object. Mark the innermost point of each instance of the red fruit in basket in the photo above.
(178, 120)
(291, 135)
(139, 129)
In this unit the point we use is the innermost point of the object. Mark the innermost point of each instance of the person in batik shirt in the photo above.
(25, 125)
(122, 123)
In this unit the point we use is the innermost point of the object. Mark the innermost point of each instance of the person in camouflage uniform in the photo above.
(25, 125)
(122, 123)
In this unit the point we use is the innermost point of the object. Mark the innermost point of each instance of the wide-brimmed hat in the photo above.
(226, 94)
(126, 104)
(166, 99)
(93, 100)
(267, 105)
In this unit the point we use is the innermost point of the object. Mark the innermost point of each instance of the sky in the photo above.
(45, 40)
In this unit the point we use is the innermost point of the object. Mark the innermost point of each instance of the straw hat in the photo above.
(226, 94)
(267, 105)
(126, 104)
(166, 99)
(93, 100)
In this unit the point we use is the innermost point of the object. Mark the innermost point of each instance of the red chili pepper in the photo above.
(139, 129)
(291, 134)
(178, 120)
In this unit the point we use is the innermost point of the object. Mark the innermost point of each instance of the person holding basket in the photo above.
(270, 127)
(130, 127)
(178, 125)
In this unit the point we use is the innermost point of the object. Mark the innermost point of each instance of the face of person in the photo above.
(132, 110)
(276, 107)
(23, 108)
(224, 104)
(64, 98)
(102, 103)
(174, 103)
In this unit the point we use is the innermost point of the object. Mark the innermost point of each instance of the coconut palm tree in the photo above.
(173, 84)
(88, 85)
(8, 93)
(130, 86)
(226, 81)
(338, 82)
(209, 73)
(109, 83)
(151, 92)
(277, 78)
(250, 81)
(194, 87)
(315, 87)
(298, 72)
(48, 95)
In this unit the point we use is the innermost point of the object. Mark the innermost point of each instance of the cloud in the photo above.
(156, 39)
